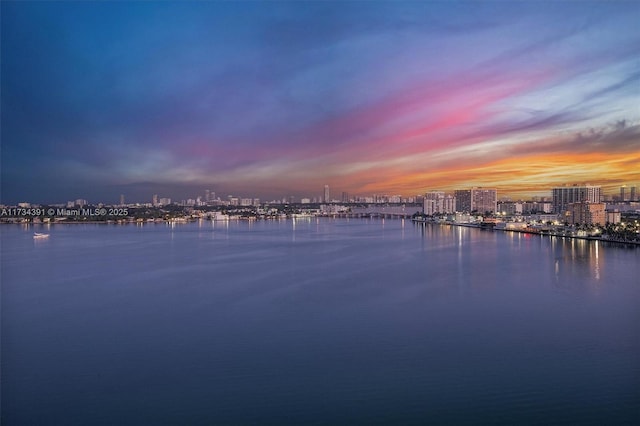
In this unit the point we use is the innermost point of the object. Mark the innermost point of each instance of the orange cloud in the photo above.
(518, 177)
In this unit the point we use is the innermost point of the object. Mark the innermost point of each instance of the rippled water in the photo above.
(316, 321)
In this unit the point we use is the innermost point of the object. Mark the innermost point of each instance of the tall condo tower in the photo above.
(433, 203)
(565, 195)
(481, 200)
(628, 193)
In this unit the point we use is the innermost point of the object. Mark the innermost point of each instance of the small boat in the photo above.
(38, 235)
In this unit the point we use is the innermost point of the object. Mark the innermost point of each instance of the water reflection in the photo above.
(483, 257)
(293, 229)
(451, 316)
(577, 263)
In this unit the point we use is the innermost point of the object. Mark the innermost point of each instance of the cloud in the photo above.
(376, 97)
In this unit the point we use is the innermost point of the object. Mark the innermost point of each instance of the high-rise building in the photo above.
(587, 213)
(565, 195)
(463, 200)
(624, 195)
(345, 197)
(484, 200)
(154, 199)
(122, 199)
(430, 205)
(326, 194)
(633, 196)
(481, 200)
(449, 205)
(436, 202)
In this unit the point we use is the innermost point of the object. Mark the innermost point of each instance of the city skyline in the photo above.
(280, 99)
(441, 200)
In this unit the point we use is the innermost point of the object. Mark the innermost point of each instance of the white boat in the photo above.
(39, 235)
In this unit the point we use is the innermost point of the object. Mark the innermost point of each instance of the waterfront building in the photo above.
(544, 217)
(586, 213)
(326, 198)
(461, 217)
(333, 209)
(482, 200)
(510, 208)
(433, 203)
(463, 200)
(614, 216)
(436, 202)
(565, 195)
(449, 204)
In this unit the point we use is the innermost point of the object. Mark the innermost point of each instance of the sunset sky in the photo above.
(272, 99)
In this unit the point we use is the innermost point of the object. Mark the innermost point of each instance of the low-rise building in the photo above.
(614, 216)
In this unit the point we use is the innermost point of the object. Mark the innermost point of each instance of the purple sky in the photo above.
(271, 99)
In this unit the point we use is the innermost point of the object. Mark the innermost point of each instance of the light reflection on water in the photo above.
(322, 321)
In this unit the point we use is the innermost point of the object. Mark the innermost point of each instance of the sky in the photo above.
(274, 99)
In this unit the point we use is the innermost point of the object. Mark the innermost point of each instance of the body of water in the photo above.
(316, 321)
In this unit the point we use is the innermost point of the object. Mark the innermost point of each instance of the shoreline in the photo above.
(464, 225)
(522, 231)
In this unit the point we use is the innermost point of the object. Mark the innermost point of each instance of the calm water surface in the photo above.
(316, 322)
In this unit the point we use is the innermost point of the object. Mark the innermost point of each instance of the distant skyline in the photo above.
(273, 99)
